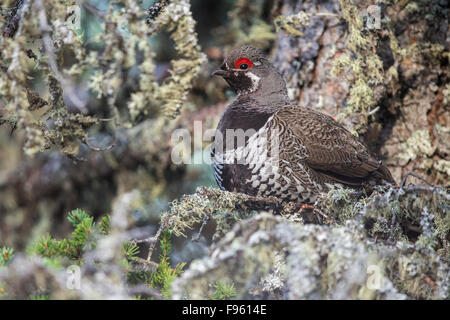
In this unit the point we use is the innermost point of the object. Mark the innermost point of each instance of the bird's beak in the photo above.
(220, 72)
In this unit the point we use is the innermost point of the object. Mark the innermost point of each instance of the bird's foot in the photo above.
(306, 211)
(305, 206)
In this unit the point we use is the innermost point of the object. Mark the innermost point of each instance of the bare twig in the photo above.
(109, 147)
(373, 111)
(326, 14)
(196, 237)
(162, 227)
(409, 173)
(146, 265)
(152, 241)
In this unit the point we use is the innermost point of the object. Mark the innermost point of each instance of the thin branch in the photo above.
(66, 84)
(196, 237)
(249, 202)
(145, 265)
(373, 111)
(162, 227)
(326, 14)
(152, 241)
(91, 9)
(409, 173)
(107, 148)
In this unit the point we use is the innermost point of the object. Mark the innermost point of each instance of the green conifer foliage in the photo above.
(164, 275)
(85, 237)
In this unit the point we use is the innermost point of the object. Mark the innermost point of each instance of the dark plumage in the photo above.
(267, 146)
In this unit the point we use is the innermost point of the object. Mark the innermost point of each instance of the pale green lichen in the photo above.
(366, 66)
(340, 205)
(206, 203)
(170, 96)
(418, 145)
(125, 36)
(341, 64)
(446, 94)
(391, 244)
(291, 24)
(402, 214)
(177, 18)
(42, 132)
(319, 263)
(224, 208)
(13, 82)
(443, 166)
(361, 94)
(260, 34)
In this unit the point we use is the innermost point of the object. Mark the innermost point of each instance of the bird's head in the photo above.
(247, 71)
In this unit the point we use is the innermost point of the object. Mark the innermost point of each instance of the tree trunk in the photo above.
(383, 71)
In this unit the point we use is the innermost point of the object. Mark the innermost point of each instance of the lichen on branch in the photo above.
(392, 244)
(40, 44)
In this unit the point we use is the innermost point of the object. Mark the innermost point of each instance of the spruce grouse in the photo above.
(267, 146)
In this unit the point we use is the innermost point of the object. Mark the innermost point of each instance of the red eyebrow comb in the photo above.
(240, 61)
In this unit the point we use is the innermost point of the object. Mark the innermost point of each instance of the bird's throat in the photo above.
(268, 93)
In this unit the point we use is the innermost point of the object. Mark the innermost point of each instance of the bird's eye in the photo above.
(243, 63)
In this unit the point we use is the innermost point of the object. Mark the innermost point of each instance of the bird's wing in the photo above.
(323, 144)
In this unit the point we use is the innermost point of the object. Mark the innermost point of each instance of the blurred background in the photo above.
(403, 115)
(37, 192)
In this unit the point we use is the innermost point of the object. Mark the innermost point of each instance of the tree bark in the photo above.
(408, 122)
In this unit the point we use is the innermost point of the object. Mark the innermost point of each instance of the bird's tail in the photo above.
(384, 174)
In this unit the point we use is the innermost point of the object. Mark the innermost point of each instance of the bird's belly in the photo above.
(256, 169)
(273, 181)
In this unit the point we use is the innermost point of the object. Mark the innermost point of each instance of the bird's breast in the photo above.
(256, 168)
